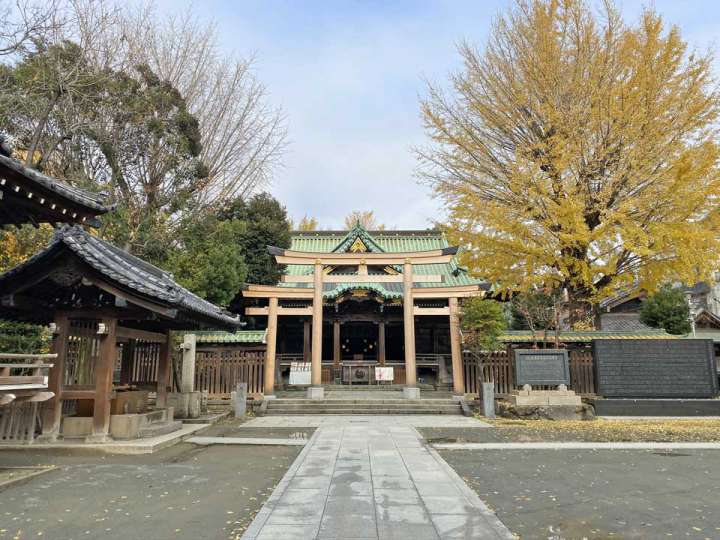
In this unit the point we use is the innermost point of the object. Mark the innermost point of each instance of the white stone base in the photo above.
(411, 392)
(540, 398)
(315, 392)
(269, 397)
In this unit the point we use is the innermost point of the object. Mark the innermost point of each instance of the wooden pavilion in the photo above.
(28, 196)
(111, 315)
(360, 299)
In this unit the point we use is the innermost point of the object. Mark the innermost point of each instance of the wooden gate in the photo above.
(218, 371)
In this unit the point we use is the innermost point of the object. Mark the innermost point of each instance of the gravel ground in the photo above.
(597, 494)
(589, 494)
(183, 492)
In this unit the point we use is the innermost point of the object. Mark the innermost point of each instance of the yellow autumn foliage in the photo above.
(578, 151)
(19, 244)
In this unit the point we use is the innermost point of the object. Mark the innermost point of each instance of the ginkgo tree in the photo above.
(578, 152)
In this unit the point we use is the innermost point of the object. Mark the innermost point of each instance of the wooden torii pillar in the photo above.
(316, 391)
(456, 348)
(411, 391)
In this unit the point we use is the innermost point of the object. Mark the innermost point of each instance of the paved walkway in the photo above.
(364, 477)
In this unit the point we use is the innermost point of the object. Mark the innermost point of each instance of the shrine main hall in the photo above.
(351, 301)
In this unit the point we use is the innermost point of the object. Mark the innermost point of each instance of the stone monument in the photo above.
(545, 367)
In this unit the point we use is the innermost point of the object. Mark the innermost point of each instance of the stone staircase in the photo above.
(385, 403)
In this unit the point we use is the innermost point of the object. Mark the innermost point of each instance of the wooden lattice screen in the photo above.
(499, 367)
(218, 371)
(83, 349)
(144, 365)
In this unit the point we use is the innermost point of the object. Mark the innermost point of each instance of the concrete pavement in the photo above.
(371, 478)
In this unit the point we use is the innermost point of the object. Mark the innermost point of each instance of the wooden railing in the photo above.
(432, 359)
(23, 388)
(24, 371)
(219, 371)
(499, 367)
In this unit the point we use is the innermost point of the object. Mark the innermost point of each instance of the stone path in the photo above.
(371, 478)
(326, 420)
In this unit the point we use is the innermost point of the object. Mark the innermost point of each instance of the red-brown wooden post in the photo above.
(336, 344)
(306, 341)
(163, 373)
(56, 376)
(103, 381)
(381, 343)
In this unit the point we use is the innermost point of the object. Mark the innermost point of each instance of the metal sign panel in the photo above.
(542, 367)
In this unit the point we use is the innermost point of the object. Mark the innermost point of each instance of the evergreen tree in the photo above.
(667, 309)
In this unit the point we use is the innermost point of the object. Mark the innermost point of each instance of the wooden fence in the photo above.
(218, 371)
(499, 367)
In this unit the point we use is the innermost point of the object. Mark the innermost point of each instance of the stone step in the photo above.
(159, 428)
(364, 411)
(363, 406)
(282, 401)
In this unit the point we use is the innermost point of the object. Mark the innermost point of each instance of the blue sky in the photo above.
(348, 75)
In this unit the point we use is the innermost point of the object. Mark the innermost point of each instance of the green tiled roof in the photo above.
(241, 336)
(384, 241)
(525, 336)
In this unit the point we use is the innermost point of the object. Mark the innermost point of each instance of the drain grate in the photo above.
(445, 440)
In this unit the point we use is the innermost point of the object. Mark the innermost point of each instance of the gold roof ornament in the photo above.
(358, 246)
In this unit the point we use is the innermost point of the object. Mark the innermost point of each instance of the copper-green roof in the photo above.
(241, 336)
(389, 241)
(525, 336)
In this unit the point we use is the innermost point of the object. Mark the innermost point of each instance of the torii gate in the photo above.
(315, 293)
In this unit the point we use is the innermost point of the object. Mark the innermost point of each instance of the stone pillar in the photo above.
(53, 408)
(187, 383)
(239, 400)
(456, 347)
(103, 381)
(381, 343)
(163, 375)
(306, 341)
(336, 344)
(269, 374)
(409, 325)
(317, 322)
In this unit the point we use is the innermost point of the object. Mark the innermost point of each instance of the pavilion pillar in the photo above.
(317, 323)
(336, 344)
(269, 374)
(53, 408)
(381, 343)
(306, 341)
(103, 381)
(456, 348)
(163, 372)
(409, 325)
